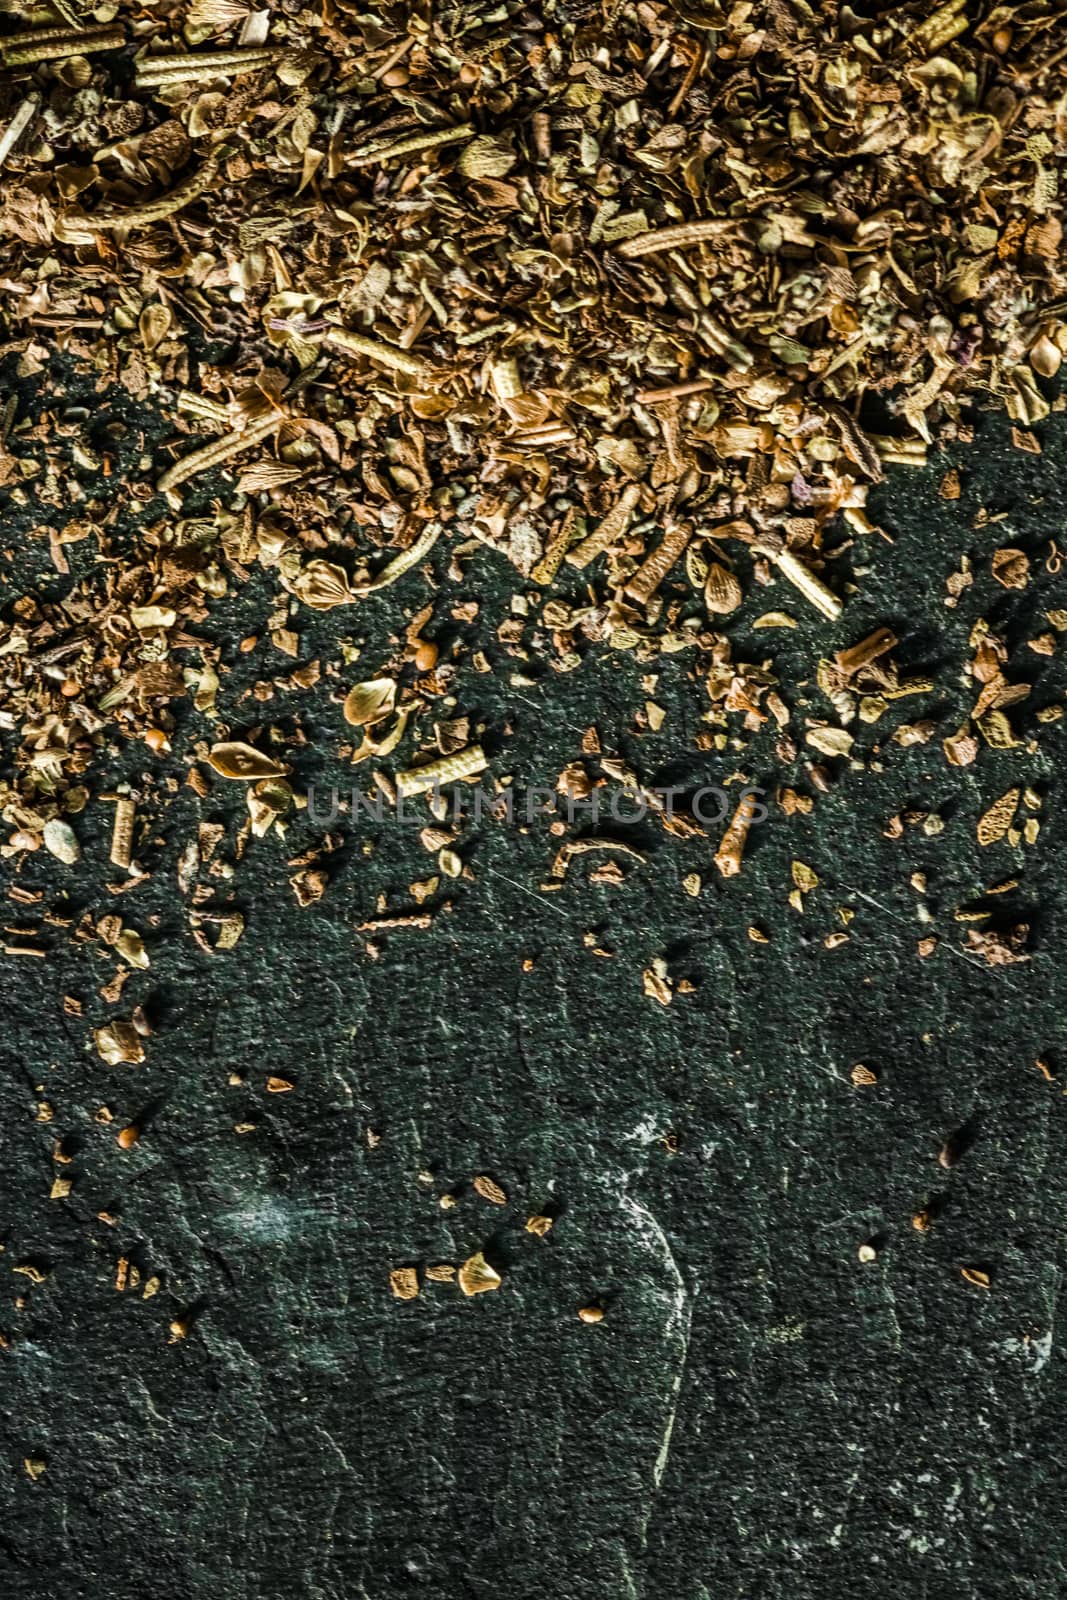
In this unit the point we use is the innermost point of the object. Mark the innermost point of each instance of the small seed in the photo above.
(490, 1190)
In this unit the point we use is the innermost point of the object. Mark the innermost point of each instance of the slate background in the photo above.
(758, 1414)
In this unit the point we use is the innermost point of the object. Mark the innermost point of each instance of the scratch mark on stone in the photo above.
(680, 1322)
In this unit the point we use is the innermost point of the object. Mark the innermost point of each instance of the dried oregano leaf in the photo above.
(370, 702)
(995, 822)
(243, 761)
(486, 157)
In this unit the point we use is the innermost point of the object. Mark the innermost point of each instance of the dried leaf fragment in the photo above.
(476, 1276)
(370, 702)
(1011, 568)
(830, 741)
(119, 1044)
(404, 1282)
(243, 762)
(804, 877)
(61, 841)
(489, 1190)
(995, 822)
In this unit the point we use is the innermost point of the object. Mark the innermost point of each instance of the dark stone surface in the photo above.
(759, 1414)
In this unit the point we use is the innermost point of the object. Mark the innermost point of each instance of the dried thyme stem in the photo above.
(430, 140)
(213, 455)
(420, 919)
(449, 769)
(154, 210)
(609, 531)
(731, 848)
(869, 649)
(652, 571)
(673, 391)
(685, 233)
(802, 578)
(404, 561)
(56, 44)
(153, 71)
(387, 355)
(122, 833)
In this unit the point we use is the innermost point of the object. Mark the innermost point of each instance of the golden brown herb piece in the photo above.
(243, 762)
(412, 144)
(994, 823)
(722, 591)
(448, 769)
(71, 227)
(371, 702)
(476, 1276)
(652, 571)
(489, 1190)
(404, 1283)
(607, 532)
(732, 845)
(119, 1044)
(57, 44)
(122, 833)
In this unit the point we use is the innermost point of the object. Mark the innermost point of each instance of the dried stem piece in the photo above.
(802, 578)
(609, 531)
(368, 155)
(652, 571)
(404, 561)
(732, 845)
(108, 218)
(386, 355)
(449, 769)
(673, 391)
(686, 233)
(154, 71)
(861, 655)
(122, 833)
(56, 44)
(205, 409)
(213, 455)
(421, 919)
(550, 562)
